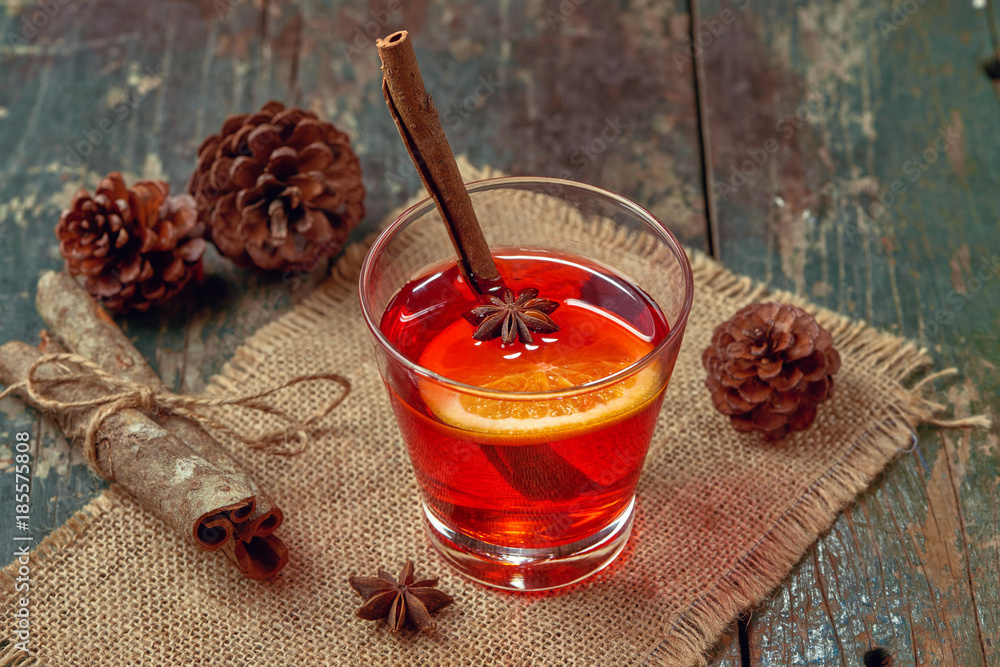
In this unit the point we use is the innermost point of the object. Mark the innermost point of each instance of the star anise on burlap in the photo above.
(513, 318)
(400, 600)
(769, 366)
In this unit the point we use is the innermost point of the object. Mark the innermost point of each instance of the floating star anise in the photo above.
(399, 600)
(513, 318)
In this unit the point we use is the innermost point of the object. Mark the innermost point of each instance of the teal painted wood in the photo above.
(576, 90)
(855, 161)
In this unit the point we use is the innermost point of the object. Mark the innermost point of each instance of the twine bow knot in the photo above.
(122, 394)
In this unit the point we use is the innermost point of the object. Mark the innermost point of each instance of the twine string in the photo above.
(121, 394)
(933, 408)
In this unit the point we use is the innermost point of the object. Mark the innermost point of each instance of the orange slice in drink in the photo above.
(580, 353)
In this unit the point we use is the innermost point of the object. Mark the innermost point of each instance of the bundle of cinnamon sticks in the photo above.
(169, 462)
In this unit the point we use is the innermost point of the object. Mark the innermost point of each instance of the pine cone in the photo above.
(278, 189)
(769, 366)
(135, 247)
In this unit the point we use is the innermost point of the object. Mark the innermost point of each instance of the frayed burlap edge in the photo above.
(761, 569)
(774, 555)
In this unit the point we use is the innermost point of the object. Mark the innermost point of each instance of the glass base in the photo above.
(530, 569)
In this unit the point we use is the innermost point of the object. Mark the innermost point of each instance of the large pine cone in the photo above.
(134, 247)
(278, 189)
(769, 366)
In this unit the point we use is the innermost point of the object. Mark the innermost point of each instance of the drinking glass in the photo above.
(510, 499)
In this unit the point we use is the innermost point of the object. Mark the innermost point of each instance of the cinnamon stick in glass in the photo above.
(420, 129)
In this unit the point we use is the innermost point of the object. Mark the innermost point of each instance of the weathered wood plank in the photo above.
(854, 161)
(538, 87)
(726, 652)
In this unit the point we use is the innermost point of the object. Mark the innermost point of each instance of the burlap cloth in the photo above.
(721, 519)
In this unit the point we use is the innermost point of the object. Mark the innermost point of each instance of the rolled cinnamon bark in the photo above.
(187, 492)
(420, 128)
(86, 329)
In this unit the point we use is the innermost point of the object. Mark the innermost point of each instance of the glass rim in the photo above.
(421, 207)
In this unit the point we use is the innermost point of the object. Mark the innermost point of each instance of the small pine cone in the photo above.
(134, 247)
(279, 189)
(769, 366)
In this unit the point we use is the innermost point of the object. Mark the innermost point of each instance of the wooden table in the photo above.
(847, 151)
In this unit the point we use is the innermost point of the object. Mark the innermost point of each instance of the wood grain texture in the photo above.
(854, 160)
(577, 90)
(726, 652)
(599, 92)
